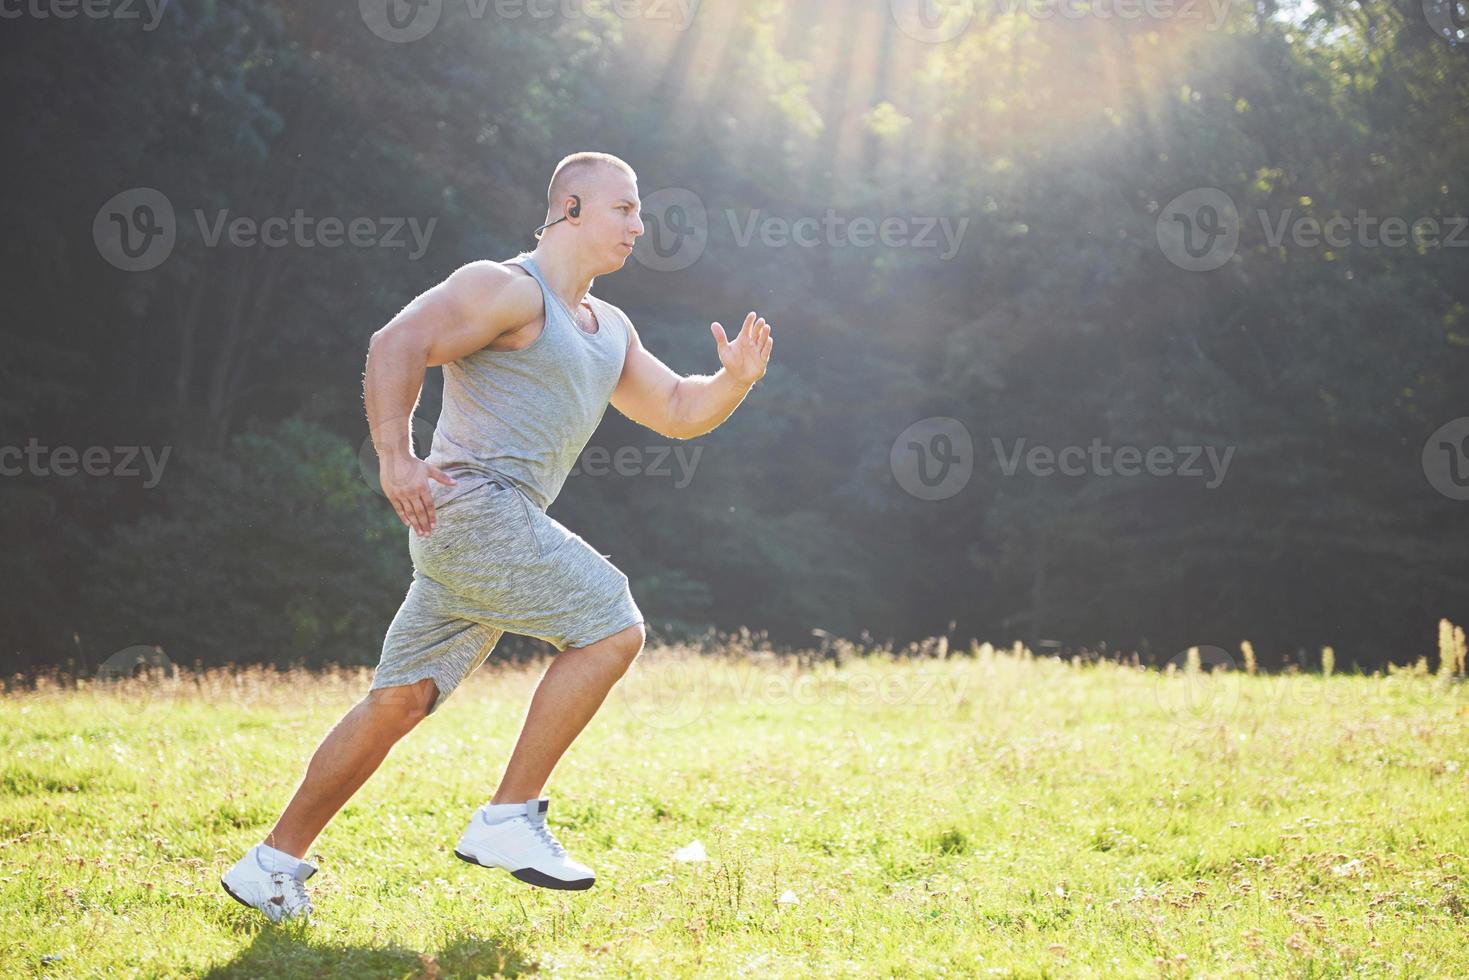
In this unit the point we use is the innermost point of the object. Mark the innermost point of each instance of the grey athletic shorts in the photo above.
(496, 563)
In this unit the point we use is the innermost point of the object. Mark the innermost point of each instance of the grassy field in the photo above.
(981, 814)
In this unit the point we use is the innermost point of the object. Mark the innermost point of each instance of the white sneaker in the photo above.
(523, 845)
(279, 894)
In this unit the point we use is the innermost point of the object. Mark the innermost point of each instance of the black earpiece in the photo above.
(574, 212)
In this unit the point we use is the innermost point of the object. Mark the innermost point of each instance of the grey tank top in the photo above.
(522, 417)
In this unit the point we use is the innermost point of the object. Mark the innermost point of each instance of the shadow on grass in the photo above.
(291, 950)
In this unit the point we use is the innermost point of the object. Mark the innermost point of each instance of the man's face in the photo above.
(611, 222)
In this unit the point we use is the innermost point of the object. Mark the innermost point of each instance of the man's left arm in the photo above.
(653, 394)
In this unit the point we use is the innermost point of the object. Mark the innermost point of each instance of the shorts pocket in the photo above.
(550, 533)
(529, 523)
(486, 526)
(498, 524)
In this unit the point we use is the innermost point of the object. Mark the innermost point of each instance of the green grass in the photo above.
(990, 815)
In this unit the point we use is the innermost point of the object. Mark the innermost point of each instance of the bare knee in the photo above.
(630, 642)
(404, 705)
(623, 646)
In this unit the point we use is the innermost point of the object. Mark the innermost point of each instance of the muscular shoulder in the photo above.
(476, 305)
(508, 289)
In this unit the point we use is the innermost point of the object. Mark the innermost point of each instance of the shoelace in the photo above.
(293, 891)
(550, 840)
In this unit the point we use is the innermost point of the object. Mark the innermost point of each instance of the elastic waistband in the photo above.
(467, 476)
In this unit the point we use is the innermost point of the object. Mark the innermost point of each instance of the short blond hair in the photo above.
(574, 167)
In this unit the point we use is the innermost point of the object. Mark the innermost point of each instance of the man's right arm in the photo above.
(464, 313)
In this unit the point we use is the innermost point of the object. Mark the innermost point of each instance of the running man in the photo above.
(531, 360)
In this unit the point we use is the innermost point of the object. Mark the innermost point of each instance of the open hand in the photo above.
(405, 482)
(746, 357)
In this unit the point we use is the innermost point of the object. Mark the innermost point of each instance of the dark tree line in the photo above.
(1056, 145)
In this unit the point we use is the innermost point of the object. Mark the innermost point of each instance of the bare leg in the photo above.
(569, 693)
(350, 753)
